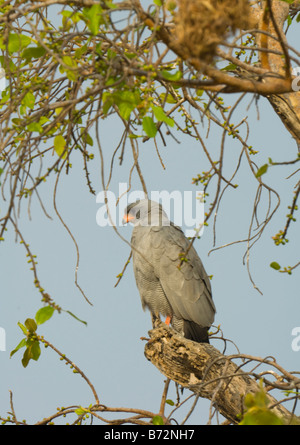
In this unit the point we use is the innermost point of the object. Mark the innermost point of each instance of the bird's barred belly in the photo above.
(152, 295)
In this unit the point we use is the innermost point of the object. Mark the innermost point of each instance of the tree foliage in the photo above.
(157, 68)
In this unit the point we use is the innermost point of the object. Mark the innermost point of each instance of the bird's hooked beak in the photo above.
(127, 218)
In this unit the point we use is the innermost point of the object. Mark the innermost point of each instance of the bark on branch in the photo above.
(287, 106)
(205, 371)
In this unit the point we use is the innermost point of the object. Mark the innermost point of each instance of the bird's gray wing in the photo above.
(187, 287)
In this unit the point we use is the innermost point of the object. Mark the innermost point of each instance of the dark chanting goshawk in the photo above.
(169, 284)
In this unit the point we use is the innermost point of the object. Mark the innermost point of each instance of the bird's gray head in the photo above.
(146, 213)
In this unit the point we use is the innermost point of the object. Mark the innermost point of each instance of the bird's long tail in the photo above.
(195, 332)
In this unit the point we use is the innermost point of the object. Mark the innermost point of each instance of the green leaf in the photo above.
(169, 76)
(157, 420)
(127, 101)
(22, 327)
(28, 100)
(257, 411)
(17, 121)
(80, 411)
(20, 345)
(33, 53)
(130, 55)
(66, 13)
(69, 61)
(125, 110)
(170, 99)
(70, 15)
(257, 416)
(32, 352)
(44, 314)
(230, 67)
(170, 402)
(35, 350)
(58, 110)
(149, 126)
(93, 18)
(262, 170)
(275, 265)
(59, 146)
(108, 102)
(80, 51)
(160, 115)
(157, 2)
(76, 318)
(31, 325)
(12, 66)
(87, 138)
(43, 120)
(298, 18)
(26, 357)
(75, 17)
(16, 42)
(35, 126)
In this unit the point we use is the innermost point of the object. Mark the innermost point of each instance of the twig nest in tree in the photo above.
(202, 25)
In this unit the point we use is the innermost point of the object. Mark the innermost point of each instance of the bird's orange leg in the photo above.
(168, 320)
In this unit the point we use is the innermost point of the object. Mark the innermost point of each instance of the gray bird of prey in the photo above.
(169, 283)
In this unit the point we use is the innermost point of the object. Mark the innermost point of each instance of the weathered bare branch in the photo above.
(206, 372)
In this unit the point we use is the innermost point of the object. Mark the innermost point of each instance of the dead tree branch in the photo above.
(208, 373)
